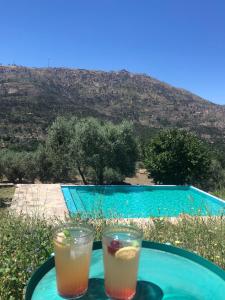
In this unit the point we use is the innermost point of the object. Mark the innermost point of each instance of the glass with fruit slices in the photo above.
(73, 246)
(121, 246)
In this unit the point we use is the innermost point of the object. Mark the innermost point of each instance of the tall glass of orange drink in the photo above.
(121, 246)
(73, 247)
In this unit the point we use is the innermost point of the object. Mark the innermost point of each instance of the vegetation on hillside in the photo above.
(99, 152)
(32, 98)
(25, 243)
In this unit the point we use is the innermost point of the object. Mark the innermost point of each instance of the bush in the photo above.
(13, 165)
(18, 166)
(216, 178)
(177, 157)
(25, 243)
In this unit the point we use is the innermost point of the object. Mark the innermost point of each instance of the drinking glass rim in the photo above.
(73, 225)
(138, 234)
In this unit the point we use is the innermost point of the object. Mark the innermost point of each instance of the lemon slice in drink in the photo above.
(127, 253)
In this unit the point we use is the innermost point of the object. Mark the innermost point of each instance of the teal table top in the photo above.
(165, 272)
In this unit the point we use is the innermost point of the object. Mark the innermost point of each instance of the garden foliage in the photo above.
(25, 243)
(177, 157)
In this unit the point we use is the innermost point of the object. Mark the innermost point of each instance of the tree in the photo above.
(18, 166)
(98, 150)
(216, 178)
(1, 165)
(44, 169)
(177, 157)
(57, 149)
(102, 149)
(30, 166)
(13, 164)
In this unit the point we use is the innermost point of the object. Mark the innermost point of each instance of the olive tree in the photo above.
(44, 167)
(13, 164)
(102, 152)
(1, 165)
(56, 151)
(177, 157)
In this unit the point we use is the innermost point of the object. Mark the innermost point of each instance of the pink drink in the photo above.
(121, 245)
(73, 246)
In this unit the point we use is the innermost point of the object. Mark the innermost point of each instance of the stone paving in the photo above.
(45, 200)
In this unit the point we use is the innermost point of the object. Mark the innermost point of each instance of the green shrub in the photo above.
(177, 157)
(25, 243)
(18, 166)
(216, 178)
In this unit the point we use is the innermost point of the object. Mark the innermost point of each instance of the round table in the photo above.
(165, 272)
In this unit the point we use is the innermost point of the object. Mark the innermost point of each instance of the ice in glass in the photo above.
(73, 246)
(121, 246)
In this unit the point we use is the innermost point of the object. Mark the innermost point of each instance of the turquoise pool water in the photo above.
(140, 201)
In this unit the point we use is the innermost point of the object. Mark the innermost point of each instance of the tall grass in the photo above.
(26, 242)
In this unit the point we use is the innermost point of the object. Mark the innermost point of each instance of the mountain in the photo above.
(31, 99)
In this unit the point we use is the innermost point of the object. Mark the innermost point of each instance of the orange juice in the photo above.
(72, 261)
(121, 246)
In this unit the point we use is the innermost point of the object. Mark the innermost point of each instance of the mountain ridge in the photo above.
(31, 98)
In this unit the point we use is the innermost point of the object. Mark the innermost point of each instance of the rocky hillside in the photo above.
(31, 98)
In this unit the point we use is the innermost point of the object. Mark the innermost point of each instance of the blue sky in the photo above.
(181, 42)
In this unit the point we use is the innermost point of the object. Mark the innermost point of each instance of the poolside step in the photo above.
(73, 201)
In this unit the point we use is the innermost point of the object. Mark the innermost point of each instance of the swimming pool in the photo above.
(140, 201)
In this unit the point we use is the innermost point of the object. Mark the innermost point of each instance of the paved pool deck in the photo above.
(43, 200)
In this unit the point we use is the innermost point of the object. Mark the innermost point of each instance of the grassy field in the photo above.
(25, 243)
